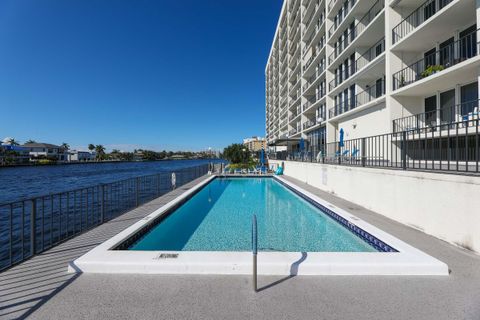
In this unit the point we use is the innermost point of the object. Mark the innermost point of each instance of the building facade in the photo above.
(255, 144)
(13, 155)
(46, 151)
(80, 156)
(372, 67)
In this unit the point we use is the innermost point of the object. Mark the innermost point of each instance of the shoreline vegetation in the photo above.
(240, 157)
(13, 154)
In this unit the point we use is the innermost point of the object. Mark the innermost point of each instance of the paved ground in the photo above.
(40, 288)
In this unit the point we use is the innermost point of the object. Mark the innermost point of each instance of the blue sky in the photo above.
(155, 74)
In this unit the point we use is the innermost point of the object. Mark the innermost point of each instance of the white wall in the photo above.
(359, 124)
(446, 206)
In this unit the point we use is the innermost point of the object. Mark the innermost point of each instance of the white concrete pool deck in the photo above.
(41, 288)
(407, 261)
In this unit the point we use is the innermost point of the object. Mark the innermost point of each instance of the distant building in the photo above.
(255, 144)
(12, 155)
(46, 151)
(138, 155)
(80, 156)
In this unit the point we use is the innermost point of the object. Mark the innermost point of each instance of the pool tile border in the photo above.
(359, 232)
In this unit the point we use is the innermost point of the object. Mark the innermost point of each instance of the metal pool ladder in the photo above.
(254, 251)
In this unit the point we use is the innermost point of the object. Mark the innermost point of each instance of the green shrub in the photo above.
(431, 70)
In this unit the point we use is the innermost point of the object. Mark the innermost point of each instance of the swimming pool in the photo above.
(207, 230)
(219, 218)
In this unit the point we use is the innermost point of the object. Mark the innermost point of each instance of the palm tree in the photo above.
(30, 141)
(100, 150)
(65, 146)
(13, 142)
(91, 147)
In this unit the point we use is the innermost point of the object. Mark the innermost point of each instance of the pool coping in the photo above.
(407, 261)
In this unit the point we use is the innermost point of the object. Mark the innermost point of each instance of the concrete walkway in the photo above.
(41, 288)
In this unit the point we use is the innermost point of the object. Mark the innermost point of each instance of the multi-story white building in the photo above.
(372, 67)
(255, 144)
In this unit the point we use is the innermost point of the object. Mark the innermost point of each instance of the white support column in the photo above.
(477, 8)
(438, 103)
(456, 48)
(458, 98)
(478, 86)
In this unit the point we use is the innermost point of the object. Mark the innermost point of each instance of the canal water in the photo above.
(18, 183)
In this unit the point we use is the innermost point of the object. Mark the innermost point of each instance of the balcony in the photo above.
(332, 4)
(312, 123)
(310, 101)
(319, 70)
(461, 50)
(318, 26)
(292, 132)
(316, 52)
(374, 92)
(368, 56)
(307, 10)
(340, 17)
(427, 10)
(313, 99)
(444, 118)
(359, 27)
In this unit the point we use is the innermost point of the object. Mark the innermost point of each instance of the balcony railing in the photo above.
(450, 55)
(367, 57)
(374, 92)
(310, 18)
(317, 50)
(340, 17)
(318, 24)
(312, 123)
(358, 28)
(464, 112)
(417, 17)
(319, 70)
(331, 4)
(310, 101)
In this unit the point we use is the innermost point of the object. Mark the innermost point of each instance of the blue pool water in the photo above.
(219, 218)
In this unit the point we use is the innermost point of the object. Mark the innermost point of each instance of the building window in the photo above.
(469, 98)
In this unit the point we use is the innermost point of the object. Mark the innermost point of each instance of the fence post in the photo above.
(404, 150)
(254, 251)
(339, 154)
(33, 228)
(102, 212)
(136, 190)
(158, 184)
(364, 153)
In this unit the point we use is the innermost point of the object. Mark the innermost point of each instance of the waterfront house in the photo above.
(80, 156)
(46, 151)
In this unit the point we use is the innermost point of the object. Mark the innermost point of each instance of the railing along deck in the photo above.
(31, 226)
(453, 147)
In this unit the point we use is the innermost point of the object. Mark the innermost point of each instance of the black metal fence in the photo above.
(452, 147)
(29, 227)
